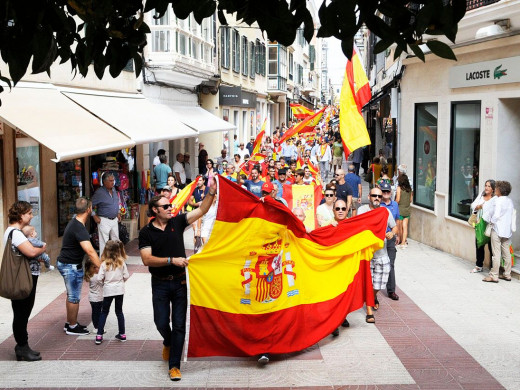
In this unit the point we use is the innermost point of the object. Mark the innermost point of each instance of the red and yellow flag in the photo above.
(355, 93)
(182, 197)
(306, 125)
(259, 137)
(307, 197)
(262, 284)
(299, 111)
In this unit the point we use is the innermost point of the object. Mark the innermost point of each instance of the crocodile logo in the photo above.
(497, 73)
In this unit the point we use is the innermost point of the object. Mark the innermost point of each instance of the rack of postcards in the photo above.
(70, 181)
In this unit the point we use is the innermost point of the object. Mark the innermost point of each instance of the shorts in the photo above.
(337, 161)
(380, 268)
(401, 217)
(355, 204)
(73, 277)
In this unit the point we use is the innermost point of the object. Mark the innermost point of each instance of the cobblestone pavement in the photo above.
(448, 331)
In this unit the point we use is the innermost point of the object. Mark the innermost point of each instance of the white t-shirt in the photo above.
(156, 161)
(177, 167)
(187, 170)
(17, 238)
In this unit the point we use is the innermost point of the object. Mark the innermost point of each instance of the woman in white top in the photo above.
(477, 207)
(325, 211)
(20, 215)
(500, 216)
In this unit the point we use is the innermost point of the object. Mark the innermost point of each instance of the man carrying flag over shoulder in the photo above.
(355, 93)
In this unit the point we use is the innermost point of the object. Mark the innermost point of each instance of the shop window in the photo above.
(425, 166)
(28, 177)
(464, 162)
(71, 184)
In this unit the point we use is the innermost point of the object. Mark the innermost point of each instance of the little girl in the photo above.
(95, 293)
(113, 273)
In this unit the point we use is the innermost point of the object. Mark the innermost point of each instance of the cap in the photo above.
(385, 186)
(166, 188)
(267, 187)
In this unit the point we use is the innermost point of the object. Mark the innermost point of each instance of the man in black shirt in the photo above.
(343, 189)
(75, 243)
(161, 245)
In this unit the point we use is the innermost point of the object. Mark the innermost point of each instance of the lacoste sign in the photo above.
(501, 71)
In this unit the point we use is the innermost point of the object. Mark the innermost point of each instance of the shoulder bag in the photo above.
(16, 280)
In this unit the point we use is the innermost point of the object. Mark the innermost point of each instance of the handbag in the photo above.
(472, 221)
(16, 280)
(480, 229)
(368, 176)
(487, 232)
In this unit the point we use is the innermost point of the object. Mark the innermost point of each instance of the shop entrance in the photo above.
(508, 147)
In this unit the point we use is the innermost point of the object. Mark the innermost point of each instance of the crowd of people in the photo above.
(297, 161)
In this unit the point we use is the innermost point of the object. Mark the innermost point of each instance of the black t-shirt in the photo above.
(343, 191)
(71, 250)
(165, 243)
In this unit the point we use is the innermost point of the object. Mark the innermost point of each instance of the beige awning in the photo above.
(46, 115)
(201, 120)
(133, 115)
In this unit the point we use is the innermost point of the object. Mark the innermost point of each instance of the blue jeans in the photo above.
(73, 277)
(171, 296)
(107, 302)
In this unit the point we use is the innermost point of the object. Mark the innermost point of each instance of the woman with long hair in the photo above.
(403, 197)
(20, 215)
(477, 207)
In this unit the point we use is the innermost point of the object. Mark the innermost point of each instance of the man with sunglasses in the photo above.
(380, 263)
(391, 243)
(161, 244)
(343, 189)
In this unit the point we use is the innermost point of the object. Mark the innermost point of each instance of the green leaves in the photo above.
(441, 49)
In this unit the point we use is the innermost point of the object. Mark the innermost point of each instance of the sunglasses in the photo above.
(164, 206)
(376, 196)
(340, 208)
(329, 195)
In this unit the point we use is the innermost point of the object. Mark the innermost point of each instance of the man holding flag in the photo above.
(161, 245)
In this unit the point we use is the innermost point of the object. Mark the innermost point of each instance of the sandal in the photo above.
(376, 304)
(476, 269)
(370, 319)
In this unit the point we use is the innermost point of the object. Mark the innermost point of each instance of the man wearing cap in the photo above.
(167, 192)
(282, 180)
(391, 243)
(250, 145)
(255, 184)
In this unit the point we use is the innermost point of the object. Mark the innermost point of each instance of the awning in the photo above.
(201, 120)
(45, 114)
(133, 115)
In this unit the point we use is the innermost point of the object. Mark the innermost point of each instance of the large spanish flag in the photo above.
(262, 284)
(355, 93)
(306, 125)
(307, 197)
(299, 111)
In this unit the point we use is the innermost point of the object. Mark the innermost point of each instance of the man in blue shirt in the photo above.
(289, 151)
(354, 181)
(106, 202)
(393, 207)
(282, 180)
(255, 184)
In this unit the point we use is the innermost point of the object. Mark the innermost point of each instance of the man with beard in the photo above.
(255, 184)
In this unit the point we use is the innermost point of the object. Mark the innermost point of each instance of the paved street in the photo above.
(448, 331)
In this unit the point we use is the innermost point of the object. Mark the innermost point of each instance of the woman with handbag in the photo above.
(500, 217)
(477, 208)
(20, 215)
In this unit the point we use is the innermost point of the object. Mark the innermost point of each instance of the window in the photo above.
(273, 61)
(252, 60)
(160, 41)
(464, 162)
(236, 51)
(224, 45)
(291, 66)
(182, 44)
(257, 57)
(282, 60)
(262, 59)
(425, 167)
(163, 20)
(245, 60)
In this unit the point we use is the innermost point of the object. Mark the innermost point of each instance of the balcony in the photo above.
(473, 4)
(277, 83)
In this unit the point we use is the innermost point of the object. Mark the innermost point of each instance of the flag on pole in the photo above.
(262, 284)
(299, 111)
(306, 125)
(355, 93)
(182, 197)
(258, 141)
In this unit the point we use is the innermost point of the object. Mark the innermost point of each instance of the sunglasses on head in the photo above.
(376, 196)
(164, 206)
(340, 208)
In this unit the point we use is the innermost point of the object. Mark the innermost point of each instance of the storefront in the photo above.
(463, 125)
